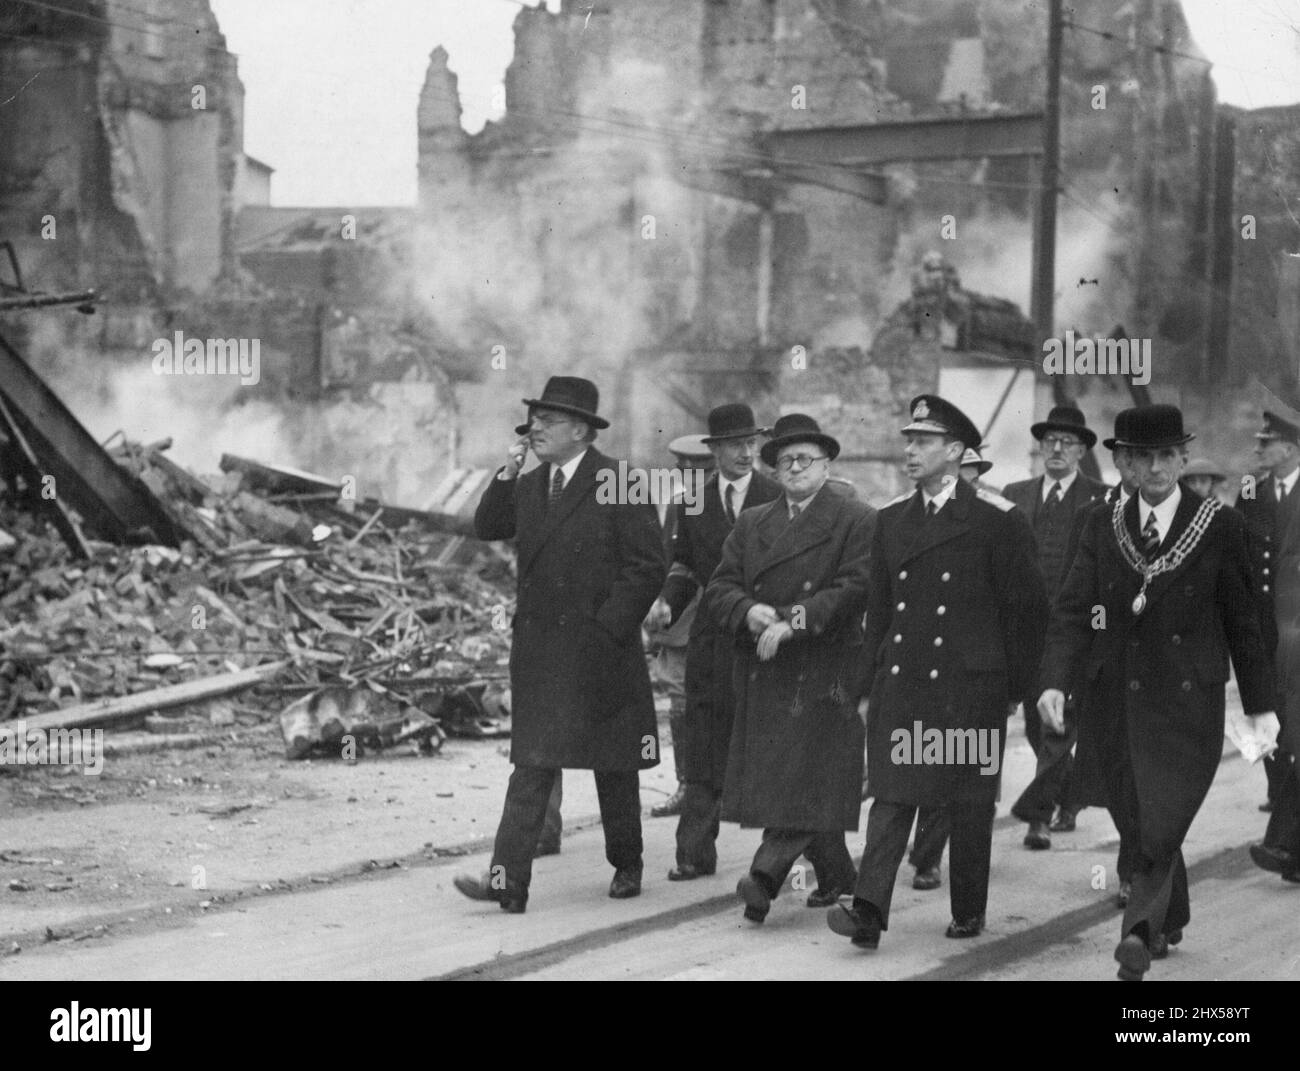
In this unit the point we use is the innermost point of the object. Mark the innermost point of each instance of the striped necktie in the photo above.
(557, 487)
(1150, 536)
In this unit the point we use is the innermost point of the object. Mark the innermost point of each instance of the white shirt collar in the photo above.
(1287, 482)
(1164, 512)
(1066, 483)
(741, 485)
(941, 498)
(569, 467)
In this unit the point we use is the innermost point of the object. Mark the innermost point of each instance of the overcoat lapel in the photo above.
(781, 538)
(547, 517)
(1187, 508)
(949, 523)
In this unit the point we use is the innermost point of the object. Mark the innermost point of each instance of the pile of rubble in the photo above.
(279, 573)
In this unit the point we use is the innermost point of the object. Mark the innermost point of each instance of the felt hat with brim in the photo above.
(932, 415)
(1149, 427)
(1068, 419)
(797, 428)
(972, 457)
(735, 420)
(1203, 466)
(1277, 428)
(571, 395)
(690, 447)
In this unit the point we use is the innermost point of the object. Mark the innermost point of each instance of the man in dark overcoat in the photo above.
(1102, 775)
(1050, 502)
(735, 486)
(590, 564)
(790, 590)
(954, 628)
(1157, 600)
(1269, 503)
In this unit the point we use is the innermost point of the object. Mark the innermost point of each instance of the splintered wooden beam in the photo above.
(107, 711)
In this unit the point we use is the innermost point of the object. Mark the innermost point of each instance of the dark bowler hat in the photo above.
(797, 428)
(568, 394)
(972, 457)
(1277, 428)
(1148, 427)
(690, 448)
(931, 415)
(735, 420)
(1069, 419)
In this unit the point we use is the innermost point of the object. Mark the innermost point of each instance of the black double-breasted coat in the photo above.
(1267, 524)
(795, 760)
(1162, 671)
(953, 634)
(589, 570)
(710, 701)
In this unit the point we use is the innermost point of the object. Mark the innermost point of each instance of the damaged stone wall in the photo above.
(566, 234)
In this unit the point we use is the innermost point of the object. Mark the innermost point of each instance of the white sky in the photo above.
(331, 86)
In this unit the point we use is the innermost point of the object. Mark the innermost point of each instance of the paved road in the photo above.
(1048, 918)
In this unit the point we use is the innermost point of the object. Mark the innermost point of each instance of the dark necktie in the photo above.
(557, 487)
(1281, 494)
(1053, 498)
(931, 509)
(731, 503)
(1150, 537)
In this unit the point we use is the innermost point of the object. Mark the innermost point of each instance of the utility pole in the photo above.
(1044, 286)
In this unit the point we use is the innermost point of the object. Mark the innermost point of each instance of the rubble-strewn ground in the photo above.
(237, 819)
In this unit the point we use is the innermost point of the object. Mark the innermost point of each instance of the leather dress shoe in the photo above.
(859, 924)
(512, 900)
(1163, 942)
(626, 883)
(820, 897)
(1064, 821)
(549, 848)
(1266, 806)
(671, 806)
(757, 901)
(689, 872)
(1037, 839)
(1276, 860)
(1125, 891)
(927, 879)
(971, 927)
(1133, 958)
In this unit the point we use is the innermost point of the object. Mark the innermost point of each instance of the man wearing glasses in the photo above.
(791, 590)
(589, 571)
(1050, 502)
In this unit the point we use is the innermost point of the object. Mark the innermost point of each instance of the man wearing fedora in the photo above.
(733, 439)
(669, 635)
(954, 629)
(1168, 576)
(1269, 501)
(1050, 502)
(790, 592)
(589, 571)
